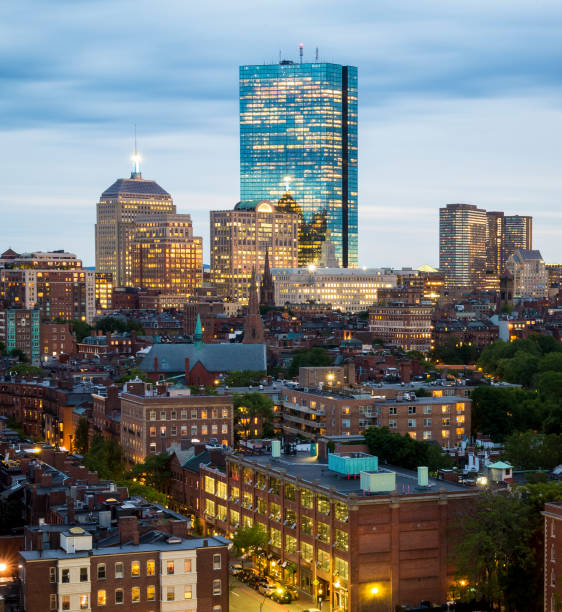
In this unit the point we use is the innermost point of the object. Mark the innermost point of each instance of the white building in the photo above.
(346, 289)
(530, 278)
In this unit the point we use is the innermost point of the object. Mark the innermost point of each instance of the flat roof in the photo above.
(311, 469)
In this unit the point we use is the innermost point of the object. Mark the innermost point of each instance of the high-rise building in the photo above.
(298, 133)
(119, 207)
(240, 239)
(165, 255)
(463, 230)
(518, 234)
(104, 291)
(530, 278)
(494, 250)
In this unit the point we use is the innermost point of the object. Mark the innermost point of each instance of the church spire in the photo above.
(253, 325)
(267, 289)
(198, 335)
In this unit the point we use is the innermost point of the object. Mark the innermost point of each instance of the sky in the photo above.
(458, 102)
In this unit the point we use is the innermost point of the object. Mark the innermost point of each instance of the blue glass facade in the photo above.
(298, 138)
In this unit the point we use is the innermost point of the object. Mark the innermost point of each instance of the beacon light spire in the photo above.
(136, 159)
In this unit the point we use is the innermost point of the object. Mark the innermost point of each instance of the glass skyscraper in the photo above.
(298, 146)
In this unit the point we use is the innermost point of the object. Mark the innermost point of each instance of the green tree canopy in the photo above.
(153, 472)
(529, 450)
(250, 405)
(308, 357)
(81, 329)
(249, 540)
(81, 436)
(244, 378)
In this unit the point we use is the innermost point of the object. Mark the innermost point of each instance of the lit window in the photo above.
(187, 592)
(170, 594)
(135, 594)
(66, 602)
(135, 569)
(102, 597)
(150, 567)
(169, 567)
(150, 592)
(187, 565)
(53, 601)
(84, 601)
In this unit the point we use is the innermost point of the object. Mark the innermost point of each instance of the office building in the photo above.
(53, 283)
(103, 291)
(346, 531)
(240, 240)
(119, 207)
(530, 278)
(463, 230)
(518, 234)
(165, 255)
(153, 418)
(407, 326)
(298, 138)
(345, 289)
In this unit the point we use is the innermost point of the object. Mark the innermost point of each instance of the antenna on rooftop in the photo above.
(301, 51)
(136, 173)
(279, 55)
(316, 53)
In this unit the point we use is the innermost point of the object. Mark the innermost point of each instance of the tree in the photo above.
(105, 457)
(2, 348)
(81, 437)
(81, 329)
(133, 373)
(249, 540)
(404, 451)
(247, 406)
(19, 355)
(530, 451)
(244, 378)
(153, 472)
(25, 369)
(308, 357)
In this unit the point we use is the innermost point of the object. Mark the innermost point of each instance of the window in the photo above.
(427, 422)
(135, 594)
(209, 508)
(341, 511)
(341, 568)
(427, 435)
(427, 409)
(323, 504)
(217, 587)
(444, 408)
(393, 410)
(150, 567)
(221, 512)
(84, 601)
(460, 407)
(275, 486)
(392, 423)
(170, 567)
(225, 413)
(204, 430)
(203, 414)
(345, 423)
(234, 518)
(53, 601)
(194, 414)
(446, 422)
(187, 591)
(183, 414)
(306, 551)
(460, 418)
(445, 433)
(290, 545)
(342, 540)
(83, 574)
(135, 569)
(152, 431)
(163, 431)
(411, 422)
(174, 415)
(209, 485)
(290, 517)
(224, 428)
(102, 597)
(217, 562)
(119, 570)
(411, 410)
(275, 538)
(306, 525)
(261, 505)
(162, 416)
(323, 532)
(290, 492)
(101, 571)
(152, 415)
(247, 500)
(52, 574)
(153, 448)
(214, 428)
(184, 431)
(66, 602)
(150, 592)
(306, 498)
(217, 608)
(174, 430)
(119, 597)
(187, 565)
(274, 511)
(221, 489)
(170, 593)
(323, 560)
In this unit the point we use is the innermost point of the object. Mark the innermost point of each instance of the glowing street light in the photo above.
(3, 567)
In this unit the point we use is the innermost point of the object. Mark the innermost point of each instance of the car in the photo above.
(236, 568)
(246, 575)
(255, 580)
(281, 597)
(292, 590)
(312, 610)
(266, 588)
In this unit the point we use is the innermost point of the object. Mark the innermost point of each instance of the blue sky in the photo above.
(458, 102)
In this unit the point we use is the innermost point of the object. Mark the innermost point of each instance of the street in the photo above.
(245, 599)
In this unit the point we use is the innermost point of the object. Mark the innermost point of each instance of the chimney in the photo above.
(128, 530)
(178, 528)
(186, 367)
(70, 513)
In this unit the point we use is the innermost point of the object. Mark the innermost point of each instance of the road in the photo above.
(245, 599)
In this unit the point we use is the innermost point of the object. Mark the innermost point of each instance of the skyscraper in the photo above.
(494, 251)
(298, 136)
(463, 231)
(119, 207)
(518, 234)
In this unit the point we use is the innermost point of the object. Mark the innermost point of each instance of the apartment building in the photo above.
(407, 326)
(153, 418)
(150, 572)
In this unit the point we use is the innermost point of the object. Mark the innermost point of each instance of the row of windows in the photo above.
(170, 567)
(173, 414)
(184, 430)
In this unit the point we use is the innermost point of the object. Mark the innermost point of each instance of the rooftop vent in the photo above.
(352, 464)
(174, 540)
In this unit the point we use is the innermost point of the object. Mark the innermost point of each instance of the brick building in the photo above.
(56, 339)
(152, 572)
(478, 333)
(342, 538)
(405, 325)
(155, 418)
(106, 412)
(20, 330)
(552, 557)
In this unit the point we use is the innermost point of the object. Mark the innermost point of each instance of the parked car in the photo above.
(292, 590)
(236, 568)
(283, 597)
(246, 575)
(266, 588)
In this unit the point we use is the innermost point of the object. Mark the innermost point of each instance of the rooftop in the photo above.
(135, 186)
(311, 469)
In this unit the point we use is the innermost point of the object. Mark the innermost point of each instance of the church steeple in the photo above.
(267, 289)
(198, 335)
(253, 325)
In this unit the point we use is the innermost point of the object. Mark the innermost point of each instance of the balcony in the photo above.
(296, 419)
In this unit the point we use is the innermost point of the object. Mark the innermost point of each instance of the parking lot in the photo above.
(245, 599)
